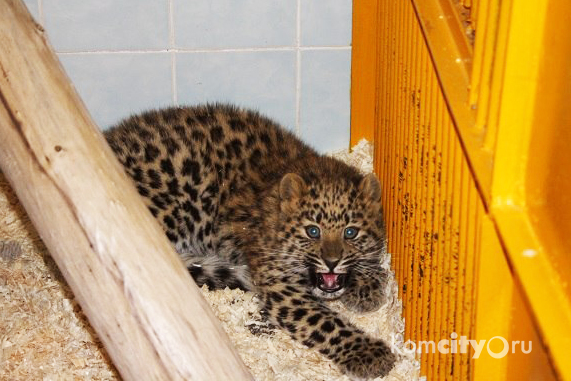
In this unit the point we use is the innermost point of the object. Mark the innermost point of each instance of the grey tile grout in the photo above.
(174, 88)
(298, 69)
(173, 80)
(221, 50)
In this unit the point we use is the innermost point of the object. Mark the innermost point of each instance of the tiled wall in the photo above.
(290, 59)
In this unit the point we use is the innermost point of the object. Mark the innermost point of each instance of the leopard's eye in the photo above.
(313, 231)
(350, 233)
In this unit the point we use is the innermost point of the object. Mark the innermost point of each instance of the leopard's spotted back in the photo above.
(240, 198)
(191, 165)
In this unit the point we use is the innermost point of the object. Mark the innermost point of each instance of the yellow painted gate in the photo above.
(468, 103)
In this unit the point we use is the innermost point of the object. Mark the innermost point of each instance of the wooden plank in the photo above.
(130, 283)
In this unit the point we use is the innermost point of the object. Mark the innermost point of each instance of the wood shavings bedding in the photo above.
(45, 336)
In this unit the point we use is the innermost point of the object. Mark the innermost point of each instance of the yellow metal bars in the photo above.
(364, 70)
(474, 166)
(453, 54)
(431, 202)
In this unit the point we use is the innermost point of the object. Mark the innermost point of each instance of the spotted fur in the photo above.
(242, 200)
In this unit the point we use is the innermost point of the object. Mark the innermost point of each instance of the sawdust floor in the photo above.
(45, 336)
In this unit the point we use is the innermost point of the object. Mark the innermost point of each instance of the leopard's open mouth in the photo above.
(330, 285)
(330, 282)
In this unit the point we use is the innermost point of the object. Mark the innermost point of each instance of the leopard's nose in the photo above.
(331, 263)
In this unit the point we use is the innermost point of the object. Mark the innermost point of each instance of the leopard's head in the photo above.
(332, 233)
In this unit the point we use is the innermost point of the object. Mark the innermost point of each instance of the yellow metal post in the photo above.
(471, 144)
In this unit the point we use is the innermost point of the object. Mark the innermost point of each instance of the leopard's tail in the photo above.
(218, 273)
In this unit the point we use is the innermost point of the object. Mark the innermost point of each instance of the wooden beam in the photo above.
(130, 283)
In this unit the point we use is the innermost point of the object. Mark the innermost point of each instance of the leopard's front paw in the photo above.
(373, 359)
(365, 297)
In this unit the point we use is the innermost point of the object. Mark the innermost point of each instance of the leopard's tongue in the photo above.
(330, 280)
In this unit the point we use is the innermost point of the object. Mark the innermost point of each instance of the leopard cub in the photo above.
(247, 204)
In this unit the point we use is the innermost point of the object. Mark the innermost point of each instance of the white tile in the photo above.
(326, 23)
(80, 25)
(208, 24)
(325, 98)
(115, 85)
(261, 80)
(33, 8)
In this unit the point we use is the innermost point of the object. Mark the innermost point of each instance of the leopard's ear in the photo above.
(370, 188)
(292, 188)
